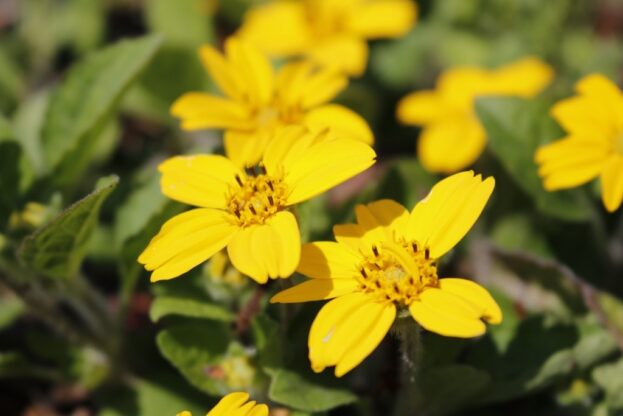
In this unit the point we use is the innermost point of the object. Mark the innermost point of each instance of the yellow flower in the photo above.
(331, 33)
(593, 146)
(386, 262)
(452, 137)
(235, 404)
(247, 211)
(257, 101)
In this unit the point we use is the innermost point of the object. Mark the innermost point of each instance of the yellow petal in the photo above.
(205, 111)
(220, 71)
(246, 148)
(370, 338)
(382, 19)
(475, 294)
(612, 183)
(446, 314)
(229, 403)
(253, 69)
(328, 260)
(184, 413)
(352, 237)
(325, 324)
(267, 250)
(451, 144)
(258, 410)
(571, 162)
(391, 217)
(347, 54)
(279, 28)
(606, 94)
(525, 77)
(186, 241)
(347, 330)
(585, 117)
(287, 146)
(422, 107)
(441, 219)
(323, 165)
(342, 121)
(201, 180)
(316, 289)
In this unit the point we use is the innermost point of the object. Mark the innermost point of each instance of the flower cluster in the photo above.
(285, 143)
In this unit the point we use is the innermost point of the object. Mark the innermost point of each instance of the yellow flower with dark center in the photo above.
(329, 32)
(593, 146)
(452, 137)
(257, 101)
(235, 404)
(247, 210)
(387, 262)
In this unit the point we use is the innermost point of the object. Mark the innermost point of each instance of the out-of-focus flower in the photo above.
(257, 101)
(330, 32)
(386, 262)
(247, 211)
(452, 137)
(235, 404)
(593, 146)
(33, 216)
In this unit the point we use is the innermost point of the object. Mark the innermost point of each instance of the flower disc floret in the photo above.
(256, 198)
(398, 272)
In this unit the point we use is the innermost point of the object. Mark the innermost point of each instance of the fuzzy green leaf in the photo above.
(192, 308)
(194, 348)
(57, 249)
(83, 104)
(311, 393)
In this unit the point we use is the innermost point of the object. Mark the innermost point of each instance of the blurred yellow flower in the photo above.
(247, 211)
(257, 101)
(332, 33)
(387, 261)
(452, 137)
(235, 404)
(593, 146)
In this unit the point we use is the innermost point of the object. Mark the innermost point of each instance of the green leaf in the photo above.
(309, 392)
(515, 129)
(28, 122)
(88, 97)
(185, 23)
(11, 308)
(57, 249)
(446, 389)
(610, 378)
(194, 348)
(267, 335)
(10, 153)
(192, 308)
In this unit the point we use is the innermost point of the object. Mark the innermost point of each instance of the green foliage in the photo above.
(307, 392)
(194, 348)
(85, 102)
(608, 377)
(9, 179)
(168, 305)
(57, 249)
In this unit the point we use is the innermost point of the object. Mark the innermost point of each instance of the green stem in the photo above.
(409, 334)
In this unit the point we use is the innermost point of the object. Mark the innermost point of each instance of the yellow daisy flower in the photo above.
(452, 137)
(593, 146)
(235, 404)
(329, 32)
(247, 211)
(387, 262)
(257, 101)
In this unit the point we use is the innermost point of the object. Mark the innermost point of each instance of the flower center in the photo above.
(256, 198)
(618, 143)
(398, 271)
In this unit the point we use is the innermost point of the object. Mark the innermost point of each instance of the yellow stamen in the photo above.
(256, 198)
(398, 271)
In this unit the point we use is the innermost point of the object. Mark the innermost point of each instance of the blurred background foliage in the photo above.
(84, 122)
